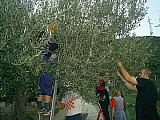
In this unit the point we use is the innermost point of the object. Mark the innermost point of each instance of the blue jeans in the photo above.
(74, 117)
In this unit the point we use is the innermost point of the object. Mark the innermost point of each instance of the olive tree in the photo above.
(93, 35)
(24, 26)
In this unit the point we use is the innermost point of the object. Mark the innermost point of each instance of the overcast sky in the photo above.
(154, 15)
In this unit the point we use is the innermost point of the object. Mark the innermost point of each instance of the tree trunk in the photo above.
(19, 107)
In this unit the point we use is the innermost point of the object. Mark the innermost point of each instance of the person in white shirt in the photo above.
(72, 103)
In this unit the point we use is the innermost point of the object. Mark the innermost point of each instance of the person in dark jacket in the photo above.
(146, 100)
(103, 96)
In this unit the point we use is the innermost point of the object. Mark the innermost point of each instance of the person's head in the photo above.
(145, 73)
(120, 94)
(103, 75)
(115, 92)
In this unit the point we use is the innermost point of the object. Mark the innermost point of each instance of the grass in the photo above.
(130, 100)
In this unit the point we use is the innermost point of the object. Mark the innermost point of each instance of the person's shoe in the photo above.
(41, 111)
(47, 113)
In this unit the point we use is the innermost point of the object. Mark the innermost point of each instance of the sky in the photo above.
(154, 16)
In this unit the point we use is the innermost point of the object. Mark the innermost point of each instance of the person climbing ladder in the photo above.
(45, 84)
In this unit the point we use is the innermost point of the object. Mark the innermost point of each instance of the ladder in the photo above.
(100, 112)
(42, 117)
(54, 100)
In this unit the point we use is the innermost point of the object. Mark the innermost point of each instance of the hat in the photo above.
(101, 81)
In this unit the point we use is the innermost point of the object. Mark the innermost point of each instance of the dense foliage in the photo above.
(93, 35)
(154, 63)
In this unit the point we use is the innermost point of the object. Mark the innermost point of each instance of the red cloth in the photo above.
(101, 88)
(113, 103)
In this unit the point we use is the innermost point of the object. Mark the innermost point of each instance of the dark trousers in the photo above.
(104, 107)
(74, 117)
